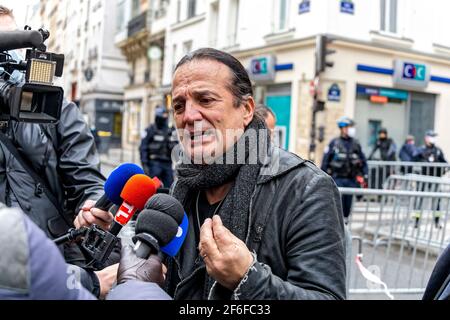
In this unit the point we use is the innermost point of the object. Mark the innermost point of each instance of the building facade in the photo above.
(140, 34)
(95, 70)
(391, 66)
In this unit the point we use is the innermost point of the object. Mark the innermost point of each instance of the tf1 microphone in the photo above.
(114, 185)
(99, 243)
(135, 194)
(11, 40)
(162, 226)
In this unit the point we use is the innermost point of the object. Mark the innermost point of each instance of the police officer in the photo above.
(156, 148)
(430, 153)
(344, 160)
(386, 147)
(387, 150)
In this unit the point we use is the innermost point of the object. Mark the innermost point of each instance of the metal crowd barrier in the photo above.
(379, 171)
(395, 242)
(415, 182)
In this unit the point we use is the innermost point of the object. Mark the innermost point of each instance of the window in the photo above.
(187, 47)
(388, 15)
(120, 22)
(174, 57)
(283, 15)
(135, 8)
(191, 8)
(233, 20)
(178, 10)
(214, 24)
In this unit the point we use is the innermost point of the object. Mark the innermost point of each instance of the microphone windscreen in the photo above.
(167, 204)
(158, 224)
(117, 180)
(174, 246)
(138, 190)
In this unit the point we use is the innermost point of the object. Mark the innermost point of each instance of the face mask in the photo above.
(351, 132)
(432, 140)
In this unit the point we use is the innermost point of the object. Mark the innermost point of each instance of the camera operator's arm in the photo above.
(79, 162)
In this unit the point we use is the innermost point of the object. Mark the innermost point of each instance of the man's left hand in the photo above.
(227, 258)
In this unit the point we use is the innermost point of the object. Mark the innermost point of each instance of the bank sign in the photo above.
(411, 74)
(262, 69)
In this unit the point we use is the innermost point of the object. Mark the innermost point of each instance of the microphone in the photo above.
(114, 185)
(99, 243)
(161, 226)
(135, 193)
(11, 40)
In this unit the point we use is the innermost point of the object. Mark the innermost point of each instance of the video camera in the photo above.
(33, 98)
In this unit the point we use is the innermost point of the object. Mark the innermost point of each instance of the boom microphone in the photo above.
(12, 40)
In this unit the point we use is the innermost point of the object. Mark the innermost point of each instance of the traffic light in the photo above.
(319, 106)
(321, 135)
(322, 52)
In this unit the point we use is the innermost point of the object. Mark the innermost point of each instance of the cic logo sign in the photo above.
(411, 74)
(259, 66)
(262, 68)
(414, 71)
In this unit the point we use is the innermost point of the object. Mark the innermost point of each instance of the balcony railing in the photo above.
(137, 24)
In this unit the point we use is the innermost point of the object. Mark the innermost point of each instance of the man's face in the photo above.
(7, 23)
(382, 136)
(204, 109)
(430, 141)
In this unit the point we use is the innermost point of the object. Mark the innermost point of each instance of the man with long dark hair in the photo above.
(264, 223)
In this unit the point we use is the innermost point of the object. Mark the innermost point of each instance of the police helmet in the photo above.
(345, 122)
(431, 133)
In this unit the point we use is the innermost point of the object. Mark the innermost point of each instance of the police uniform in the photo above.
(156, 150)
(344, 161)
(430, 154)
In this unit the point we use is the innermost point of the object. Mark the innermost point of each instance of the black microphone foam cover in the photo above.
(158, 224)
(167, 204)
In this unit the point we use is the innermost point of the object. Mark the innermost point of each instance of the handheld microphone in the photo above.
(135, 194)
(162, 226)
(114, 185)
(12, 40)
(99, 243)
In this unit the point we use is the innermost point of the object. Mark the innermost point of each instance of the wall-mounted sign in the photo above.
(88, 74)
(381, 92)
(262, 69)
(304, 6)
(347, 6)
(334, 93)
(411, 74)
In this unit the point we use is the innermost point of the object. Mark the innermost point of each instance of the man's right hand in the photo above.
(89, 215)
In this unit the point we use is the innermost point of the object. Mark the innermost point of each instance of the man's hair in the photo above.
(4, 11)
(263, 111)
(240, 86)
